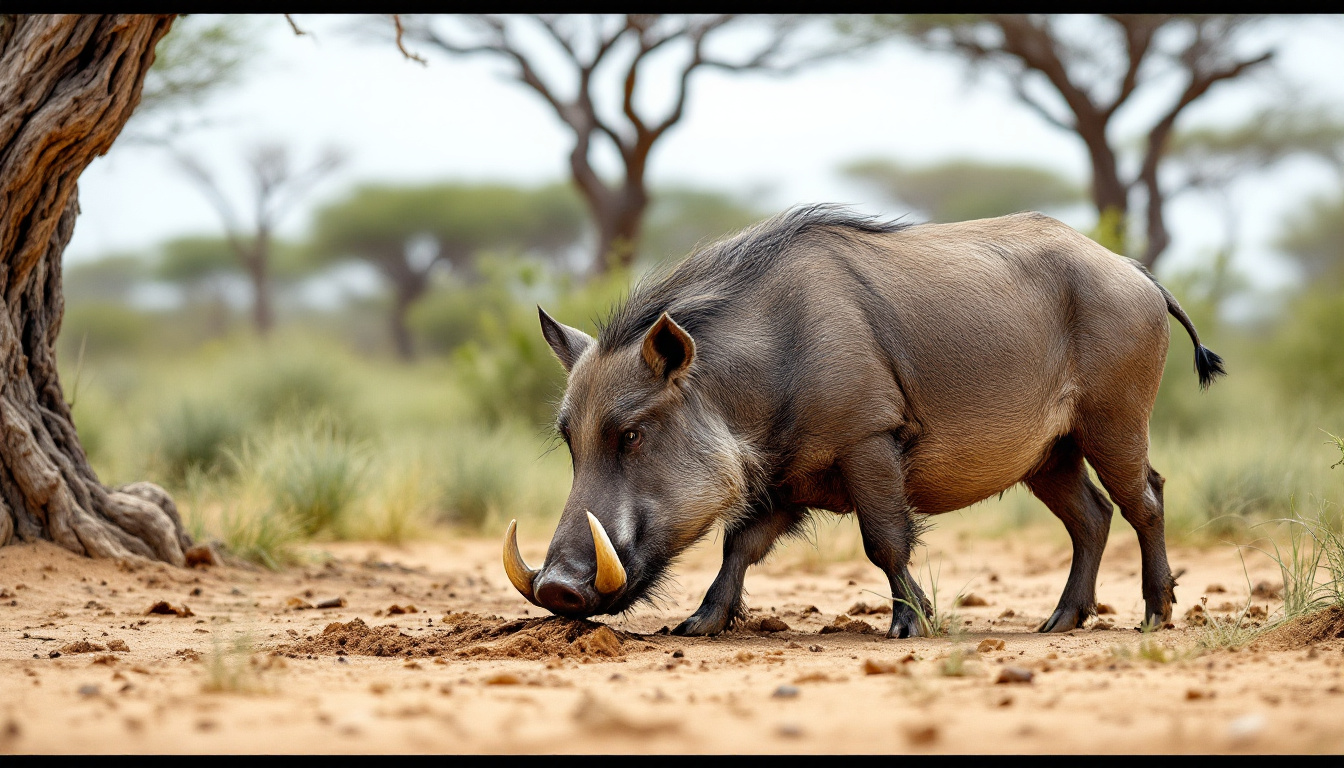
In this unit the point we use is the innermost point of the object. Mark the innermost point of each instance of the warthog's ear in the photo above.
(668, 348)
(567, 343)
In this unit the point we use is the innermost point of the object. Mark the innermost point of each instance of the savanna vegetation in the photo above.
(423, 401)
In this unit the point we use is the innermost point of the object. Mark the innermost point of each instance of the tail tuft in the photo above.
(1208, 365)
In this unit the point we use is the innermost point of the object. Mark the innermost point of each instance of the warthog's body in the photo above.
(822, 361)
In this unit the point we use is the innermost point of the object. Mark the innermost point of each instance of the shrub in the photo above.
(197, 435)
(315, 476)
(1306, 352)
(104, 328)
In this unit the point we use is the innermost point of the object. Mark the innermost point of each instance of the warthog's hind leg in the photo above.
(1122, 466)
(1062, 484)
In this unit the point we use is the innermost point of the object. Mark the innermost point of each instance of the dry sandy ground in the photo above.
(749, 691)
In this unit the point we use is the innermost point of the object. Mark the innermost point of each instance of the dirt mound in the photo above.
(81, 646)
(470, 635)
(844, 623)
(1316, 627)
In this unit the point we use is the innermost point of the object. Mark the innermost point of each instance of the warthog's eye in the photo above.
(630, 438)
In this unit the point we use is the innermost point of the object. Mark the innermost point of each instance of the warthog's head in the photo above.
(655, 467)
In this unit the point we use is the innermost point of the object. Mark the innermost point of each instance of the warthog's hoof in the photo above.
(904, 623)
(699, 625)
(1064, 619)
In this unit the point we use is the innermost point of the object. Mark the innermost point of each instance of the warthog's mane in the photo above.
(700, 287)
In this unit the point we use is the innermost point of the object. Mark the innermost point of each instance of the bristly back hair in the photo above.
(697, 289)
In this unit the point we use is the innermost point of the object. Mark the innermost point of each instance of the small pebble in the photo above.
(920, 734)
(785, 692)
(1010, 674)
(989, 644)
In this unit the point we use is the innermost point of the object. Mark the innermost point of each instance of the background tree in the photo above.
(1078, 73)
(960, 190)
(194, 60)
(589, 47)
(1314, 238)
(407, 232)
(1209, 159)
(67, 86)
(110, 278)
(201, 268)
(277, 185)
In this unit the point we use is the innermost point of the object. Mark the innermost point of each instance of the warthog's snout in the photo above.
(559, 587)
(566, 595)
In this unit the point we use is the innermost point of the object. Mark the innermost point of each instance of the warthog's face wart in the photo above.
(654, 468)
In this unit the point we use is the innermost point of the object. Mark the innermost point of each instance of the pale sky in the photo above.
(776, 140)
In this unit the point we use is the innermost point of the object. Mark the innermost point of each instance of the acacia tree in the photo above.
(621, 43)
(406, 232)
(1207, 160)
(1078, 73)
(67, 86)
(277, 184)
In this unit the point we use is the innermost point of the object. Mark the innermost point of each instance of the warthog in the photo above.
(826, 361)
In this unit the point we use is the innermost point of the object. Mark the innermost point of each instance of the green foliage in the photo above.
(1338, 442)
(936, 621)
(315, 476)
(196, 57)
(105, 328)
(959, 190)
(1306, 355)
(294, 387)
(193, 260)
(197, 436)
(1230, 632)
(1150, 649)
(111, 279)
(234, 512)
(231, 668)
(493, 336)
(1309, 546)
(1314, 238)
(400, 507)
(376, 223)
(1214, 154)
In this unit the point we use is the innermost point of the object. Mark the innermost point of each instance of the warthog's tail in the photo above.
(1208, 364)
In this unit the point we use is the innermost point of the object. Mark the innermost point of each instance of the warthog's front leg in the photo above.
(745, 546)
(876, 484)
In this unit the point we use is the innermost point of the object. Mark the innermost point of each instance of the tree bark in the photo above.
(258, 271)
(408, 285)
(401, 332)
(67, 86)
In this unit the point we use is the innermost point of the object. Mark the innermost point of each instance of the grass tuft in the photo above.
(231, 668)
(938, 621)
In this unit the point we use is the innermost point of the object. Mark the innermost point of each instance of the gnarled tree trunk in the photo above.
(67, 86)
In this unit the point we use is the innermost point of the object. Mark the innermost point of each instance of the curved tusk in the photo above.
(610, 572)
(519, 574)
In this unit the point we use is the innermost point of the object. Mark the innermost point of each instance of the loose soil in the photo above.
(427, 648)
(470, 636)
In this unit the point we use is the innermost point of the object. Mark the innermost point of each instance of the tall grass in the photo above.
(314, 475)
